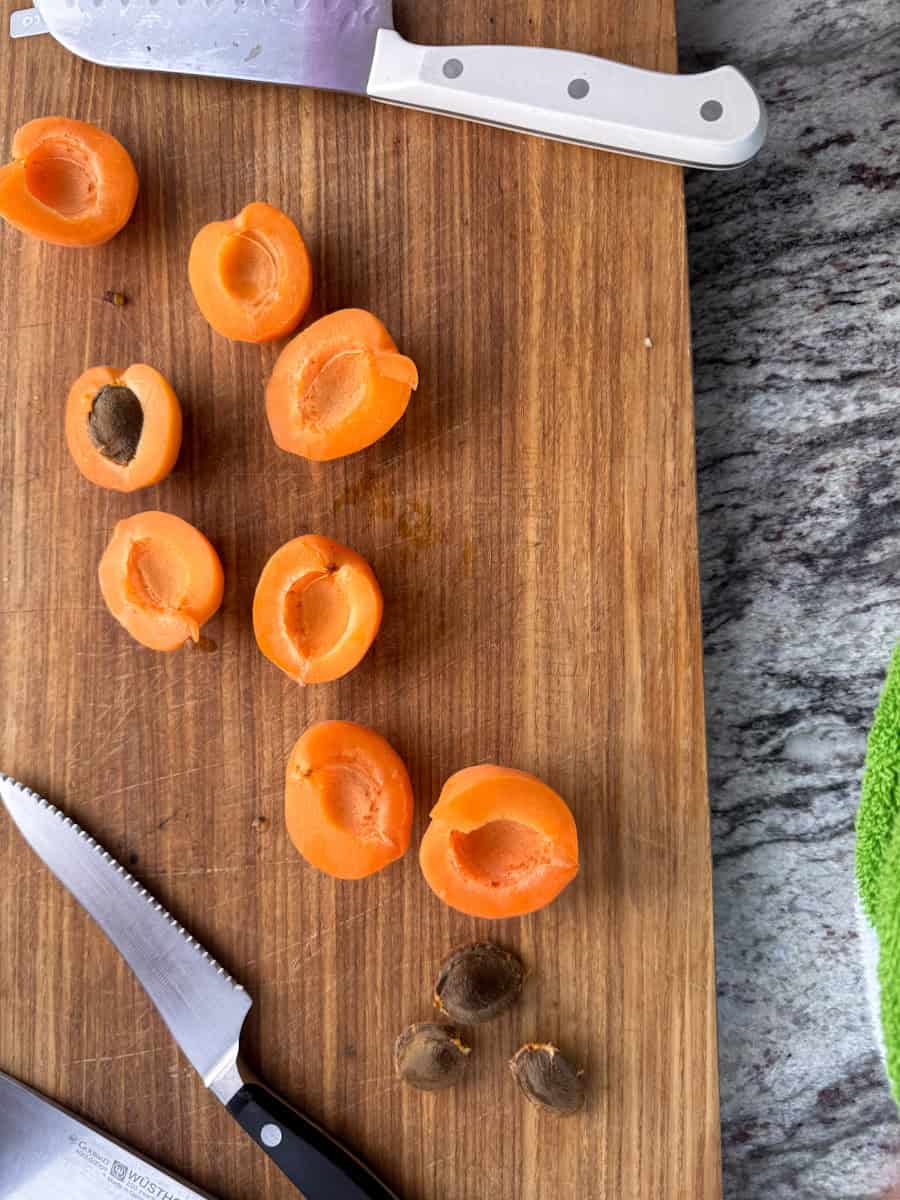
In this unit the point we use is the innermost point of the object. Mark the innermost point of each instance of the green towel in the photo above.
(888, 930)
(880, 799)
(878, 860)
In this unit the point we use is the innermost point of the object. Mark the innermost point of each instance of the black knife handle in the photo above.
(312, 1160)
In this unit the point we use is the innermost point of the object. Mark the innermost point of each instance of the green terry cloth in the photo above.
(880, 799)
(878, 871)
(888, 931)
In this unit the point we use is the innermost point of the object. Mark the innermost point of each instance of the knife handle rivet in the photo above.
(270, 1135)
(453, 68)
(579, 88)
(711, 110)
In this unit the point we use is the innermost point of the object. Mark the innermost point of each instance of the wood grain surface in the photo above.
(532, 522)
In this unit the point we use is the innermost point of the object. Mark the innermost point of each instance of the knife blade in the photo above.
(714, 119)
(203, 1007)
(46, 1153)
(316, 43)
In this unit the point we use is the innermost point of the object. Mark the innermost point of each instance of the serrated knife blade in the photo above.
(201, 1004)
(203, 1007)
(714, 119)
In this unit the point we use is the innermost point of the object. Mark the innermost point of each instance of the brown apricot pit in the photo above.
(478, 982)
(115, 423)
(430, 1056)
(548, 1079)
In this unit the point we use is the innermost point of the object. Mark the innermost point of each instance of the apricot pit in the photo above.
(430, 1056)
(547, 1078)
(115, 423)
(477, 983)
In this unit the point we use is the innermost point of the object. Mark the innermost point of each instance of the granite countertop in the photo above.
(796, 324)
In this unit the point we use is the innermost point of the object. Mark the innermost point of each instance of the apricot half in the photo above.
(69, 182)
(348, 799)
(123, 428)
(338, 387)
(500, 843)
(161, 579)
(317, 609)
(251, 276)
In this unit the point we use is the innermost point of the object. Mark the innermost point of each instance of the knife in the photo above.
(714, 119)
(46, 1153)
(202, 1005)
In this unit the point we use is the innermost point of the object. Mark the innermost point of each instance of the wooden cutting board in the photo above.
(532, 521)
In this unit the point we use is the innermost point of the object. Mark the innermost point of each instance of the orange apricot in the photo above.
(348, 800)
(251, 276)
(500, 843)
(161, 579)
(123, 428)
(338, 387)
(68, 182)
(317, 609)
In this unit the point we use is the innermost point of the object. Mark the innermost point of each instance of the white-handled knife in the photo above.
(714, 119)
(201, 1004)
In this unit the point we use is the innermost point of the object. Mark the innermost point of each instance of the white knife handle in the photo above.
(713, 120)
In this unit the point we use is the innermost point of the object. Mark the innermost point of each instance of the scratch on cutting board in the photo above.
(144, 783)
(343, 1109)
(131, 674)
(420, 681)
(344, 924)
(234, 898)
(695, 985)
(20, 328)
(384, 1077)
(21, 877)
(45, 608)
(106, 653)
(309, 939)
(376, 479)
(250, 865)
(114, 736)
(165, 1130)
(436, 1162)
(643, 840)
(111, 1058)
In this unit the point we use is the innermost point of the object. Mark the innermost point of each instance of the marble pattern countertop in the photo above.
(796, 324)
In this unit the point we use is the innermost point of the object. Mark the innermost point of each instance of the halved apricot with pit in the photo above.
(317, 609)
(500, 843)
(251, 276)
(69, 182)
(123, 428)
(338, 387)
(161, 579)
(348, 800)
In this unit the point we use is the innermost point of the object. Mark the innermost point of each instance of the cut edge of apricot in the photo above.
(501, 843)
(338, 387)
(159, 436)
(398, 367)
(69, 182)
(348, 800)
(317, 609)
(251, 275)
(161, 579)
